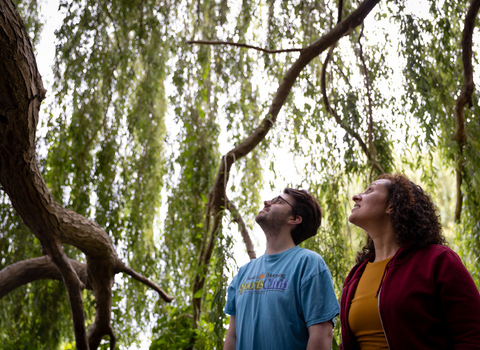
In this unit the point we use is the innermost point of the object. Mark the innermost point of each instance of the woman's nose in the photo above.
(356, 197)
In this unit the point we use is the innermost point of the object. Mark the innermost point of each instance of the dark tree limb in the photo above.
(26, 271)
(217, 195)
(230, 43)
(243, 229)
(21, 93)
(463, 99)
(121, 267)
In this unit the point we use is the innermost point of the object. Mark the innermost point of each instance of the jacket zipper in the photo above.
(380, 315)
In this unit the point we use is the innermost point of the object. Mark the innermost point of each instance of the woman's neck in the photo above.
(385, 247)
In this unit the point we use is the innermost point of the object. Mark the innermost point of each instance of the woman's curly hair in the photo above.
(414, 216)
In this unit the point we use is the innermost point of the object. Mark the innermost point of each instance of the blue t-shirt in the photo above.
(275, 298)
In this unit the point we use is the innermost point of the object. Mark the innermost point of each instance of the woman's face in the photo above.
(371, 207)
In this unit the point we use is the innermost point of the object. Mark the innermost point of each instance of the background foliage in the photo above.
(139, 120)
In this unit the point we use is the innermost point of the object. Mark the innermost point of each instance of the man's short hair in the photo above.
(308, 208)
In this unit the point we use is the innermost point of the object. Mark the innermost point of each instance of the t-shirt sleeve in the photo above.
(318, 299)
(230, 305)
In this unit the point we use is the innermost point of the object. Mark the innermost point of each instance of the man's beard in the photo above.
(270, 222)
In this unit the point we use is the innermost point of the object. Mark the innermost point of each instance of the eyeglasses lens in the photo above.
(276, 200)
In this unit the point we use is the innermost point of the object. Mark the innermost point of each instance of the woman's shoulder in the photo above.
(437, 250)
(439, 253)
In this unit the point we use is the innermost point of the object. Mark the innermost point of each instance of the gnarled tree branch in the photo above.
(26, 271)
(464, 98)
(21, 93)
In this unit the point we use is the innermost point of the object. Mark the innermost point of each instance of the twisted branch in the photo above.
(30, 270)
(464, 98)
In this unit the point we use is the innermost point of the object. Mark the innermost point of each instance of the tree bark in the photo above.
(27, 271)
(463, 99)
(21, 93)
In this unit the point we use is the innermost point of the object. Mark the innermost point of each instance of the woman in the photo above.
(407, 290)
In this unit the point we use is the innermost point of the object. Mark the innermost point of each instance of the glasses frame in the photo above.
(279, 199)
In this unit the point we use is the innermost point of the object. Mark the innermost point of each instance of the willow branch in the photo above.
(243, 229)
(370, 106)
(27, 271)
(230, 43)
(121, 267)
(464, 98)
(113, 338)
(74, 290)
(333, 112)
(340, 11)
(202, 269)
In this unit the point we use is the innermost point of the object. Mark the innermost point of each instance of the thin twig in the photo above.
(370, 107)
(230, 43)
(333, 112)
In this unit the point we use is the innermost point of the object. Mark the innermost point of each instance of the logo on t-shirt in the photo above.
(264, 283)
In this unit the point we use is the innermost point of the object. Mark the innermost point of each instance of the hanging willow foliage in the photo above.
(169, 118)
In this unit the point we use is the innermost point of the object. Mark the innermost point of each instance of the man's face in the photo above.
(276, 212)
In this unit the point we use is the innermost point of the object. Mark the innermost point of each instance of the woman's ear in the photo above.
(389, 209)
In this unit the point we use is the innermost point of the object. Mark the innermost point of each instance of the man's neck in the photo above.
(278, 242)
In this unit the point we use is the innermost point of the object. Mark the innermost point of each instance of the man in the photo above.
(285, 298)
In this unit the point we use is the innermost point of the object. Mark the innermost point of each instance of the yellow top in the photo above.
(363, 317)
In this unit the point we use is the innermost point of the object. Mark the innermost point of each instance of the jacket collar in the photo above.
(402, 254)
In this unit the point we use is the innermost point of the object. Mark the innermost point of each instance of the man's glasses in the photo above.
(278, 200)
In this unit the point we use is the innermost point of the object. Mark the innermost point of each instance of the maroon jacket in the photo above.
(427, 300)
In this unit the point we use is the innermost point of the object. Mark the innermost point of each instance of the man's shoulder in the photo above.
(309, 255)
(251, 264)
(310, 263)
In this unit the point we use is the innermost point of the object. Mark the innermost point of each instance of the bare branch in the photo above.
(121, 267)
(243, 229)
(113, 338)
(74, 290)
(464, 98)
(230, 43)
(340, 11)
(26, 271)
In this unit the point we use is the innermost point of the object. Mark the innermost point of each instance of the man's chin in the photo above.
(260, 216)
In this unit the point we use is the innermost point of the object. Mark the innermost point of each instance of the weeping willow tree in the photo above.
(168, 120)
